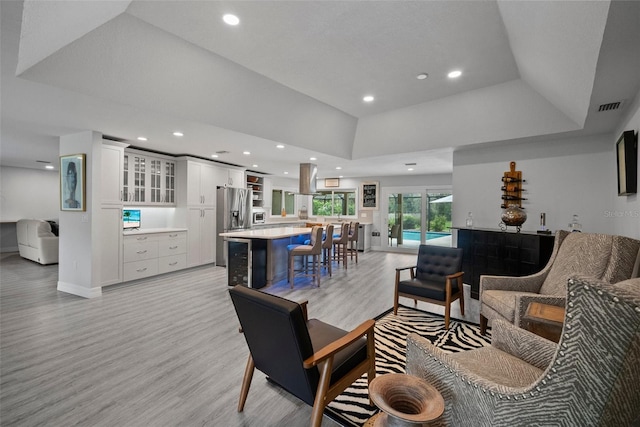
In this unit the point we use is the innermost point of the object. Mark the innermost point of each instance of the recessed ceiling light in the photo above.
(286, 173)
(368, 98)
(312, 158)
(422, 76)
(280, 146)
(410, 169)
(341, 176)
(215, 156)
(454, 74)
(142, 138)
(178, 133)
(246, 153)
(254, 166)
(338, 167)
(231, 19)
(49, 167)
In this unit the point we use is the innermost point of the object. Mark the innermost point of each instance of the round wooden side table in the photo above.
(404, 400)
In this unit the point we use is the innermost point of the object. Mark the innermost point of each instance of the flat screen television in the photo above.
(131, 218)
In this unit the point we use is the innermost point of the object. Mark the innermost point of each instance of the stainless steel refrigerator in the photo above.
(234, 213)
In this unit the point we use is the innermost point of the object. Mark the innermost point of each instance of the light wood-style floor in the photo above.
(163, 351)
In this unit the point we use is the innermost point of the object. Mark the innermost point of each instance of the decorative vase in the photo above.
(514, 215)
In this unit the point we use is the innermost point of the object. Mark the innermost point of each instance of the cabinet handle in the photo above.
(140, 270)
(173, 235)
(142, 252)
(173, 247)
(173, 263)
(141, 238)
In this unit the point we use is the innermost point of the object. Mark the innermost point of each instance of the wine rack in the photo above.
(512, 187)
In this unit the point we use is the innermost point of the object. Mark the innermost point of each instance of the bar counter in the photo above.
(274, 242)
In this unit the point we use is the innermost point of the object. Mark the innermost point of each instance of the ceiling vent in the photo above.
(222, 152)
(113, 138)
(410, 164)
(610, 106)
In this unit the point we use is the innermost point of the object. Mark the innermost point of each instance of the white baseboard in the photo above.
(80, 291)
(9, 249)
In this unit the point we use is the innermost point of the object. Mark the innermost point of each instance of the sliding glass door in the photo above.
(416, 216)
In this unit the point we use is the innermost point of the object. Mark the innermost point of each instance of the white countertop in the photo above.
(151, 231)
(267, 233)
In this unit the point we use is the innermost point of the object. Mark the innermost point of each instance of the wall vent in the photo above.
(610, 106)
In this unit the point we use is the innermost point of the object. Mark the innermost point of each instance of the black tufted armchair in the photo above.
(436, 279)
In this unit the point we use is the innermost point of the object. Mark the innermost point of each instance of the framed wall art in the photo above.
(369, 195)
(627, 161)
(72, 182)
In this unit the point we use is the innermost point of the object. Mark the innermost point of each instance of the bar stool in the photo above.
(353, 240)
(327, 246)
(314, 249)
(340, 244)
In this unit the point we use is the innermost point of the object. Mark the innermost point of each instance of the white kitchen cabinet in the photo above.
(110, 244)
(148, 254)
(201, 224)
(111, 174)
(236, 178)
(267, 188)
(109, 234)
(148, 180)
(200, 184)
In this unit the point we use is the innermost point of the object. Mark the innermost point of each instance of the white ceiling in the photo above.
(295, 72)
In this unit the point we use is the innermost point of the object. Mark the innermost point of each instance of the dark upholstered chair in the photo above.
(311, 359)
(436, 278)
(590, 378)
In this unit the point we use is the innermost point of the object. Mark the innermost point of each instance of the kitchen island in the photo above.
(258, 257)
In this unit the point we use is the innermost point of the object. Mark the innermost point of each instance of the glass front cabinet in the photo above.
(148, 180)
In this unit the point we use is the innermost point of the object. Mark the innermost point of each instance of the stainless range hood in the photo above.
(308, 176)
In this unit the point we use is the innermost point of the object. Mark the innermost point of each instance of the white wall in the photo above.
(25, 193)
(28, 193)
(563, 177)
(625, 212)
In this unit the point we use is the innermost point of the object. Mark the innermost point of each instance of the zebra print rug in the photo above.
(351, 408)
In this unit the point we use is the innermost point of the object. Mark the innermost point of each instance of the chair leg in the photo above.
(483, 324)
(447, 314)
(319, 401)
(246, 383)
(291, 270)
(461, 300)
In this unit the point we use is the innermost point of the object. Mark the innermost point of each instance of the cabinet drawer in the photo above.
(175, 235)
(138, 251)
(140, 269)
(172, 247)
(172, 263)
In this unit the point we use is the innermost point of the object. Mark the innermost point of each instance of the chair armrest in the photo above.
(329, 350)
(405, 268)
(524, 345)
(455, 275)
(305, 312)
(530, 283)
(400, 269)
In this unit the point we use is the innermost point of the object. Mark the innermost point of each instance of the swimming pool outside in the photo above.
(415, 235)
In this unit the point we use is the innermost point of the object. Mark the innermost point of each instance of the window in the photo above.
(283, 199)
(334, 203)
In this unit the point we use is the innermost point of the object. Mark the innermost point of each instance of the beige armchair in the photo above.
(601, 256)
(590, 378)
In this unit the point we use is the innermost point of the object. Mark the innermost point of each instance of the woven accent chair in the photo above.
(310, 359)
(610, 258)
(327, 247)
(353, 240)
(340, 244)
(436, 278)
(590, 378)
